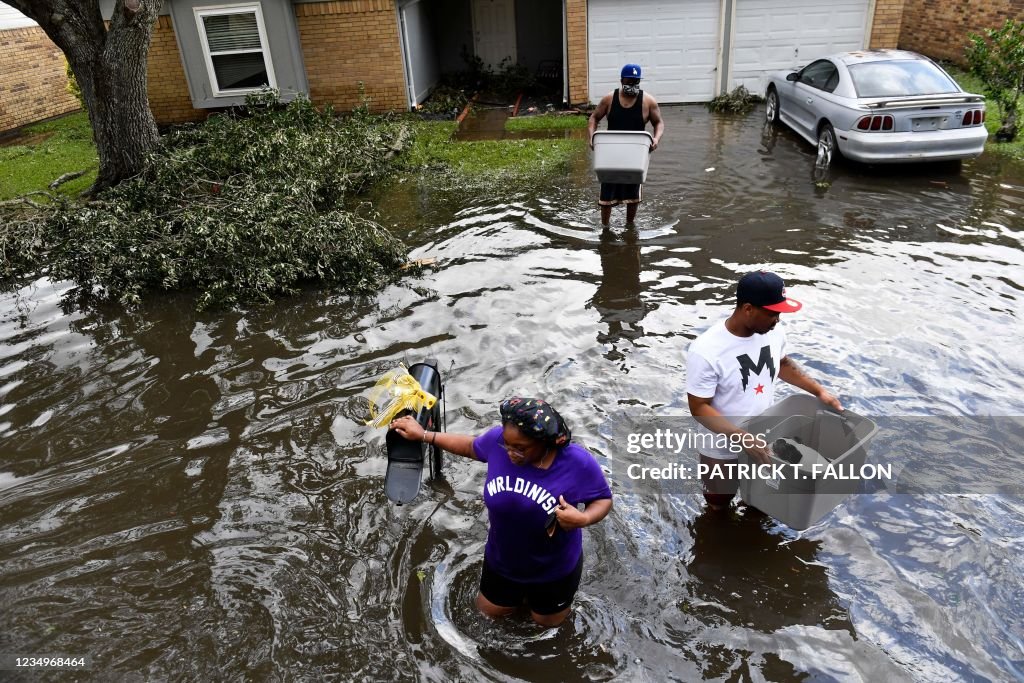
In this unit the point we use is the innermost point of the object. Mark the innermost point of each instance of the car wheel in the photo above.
(771, 106)
(828, 150)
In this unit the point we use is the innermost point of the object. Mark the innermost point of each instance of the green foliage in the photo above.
(739, 101)
(22, 241)
(363, 108)
(547, 122)
(50, 150)
(997, 59)
(236, 209)
(511, 79)
(993, 117)
(445, 101)
(506, 81)
(72, 86)
(241, 209)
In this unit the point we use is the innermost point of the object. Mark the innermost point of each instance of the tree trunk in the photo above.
(110, 64)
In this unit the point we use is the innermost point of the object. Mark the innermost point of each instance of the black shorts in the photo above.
(613, 194)
(548, 597)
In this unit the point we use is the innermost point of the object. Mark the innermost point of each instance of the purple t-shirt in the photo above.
(519, 499)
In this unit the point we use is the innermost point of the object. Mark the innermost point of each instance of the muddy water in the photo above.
(193, 497)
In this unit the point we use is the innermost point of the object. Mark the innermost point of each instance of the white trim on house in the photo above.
(12, 18)
(869, 25)
(419, 58)
(240, 8)
(727, 31)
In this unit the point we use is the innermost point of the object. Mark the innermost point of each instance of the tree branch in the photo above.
(65, 178)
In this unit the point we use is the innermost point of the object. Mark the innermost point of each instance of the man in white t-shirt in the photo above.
(731, 371)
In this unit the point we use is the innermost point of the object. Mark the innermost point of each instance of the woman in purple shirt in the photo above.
(535, 479)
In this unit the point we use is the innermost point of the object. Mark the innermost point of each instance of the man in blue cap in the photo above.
(731, 372)
(627, 108)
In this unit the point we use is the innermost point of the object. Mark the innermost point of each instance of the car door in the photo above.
(807, 103)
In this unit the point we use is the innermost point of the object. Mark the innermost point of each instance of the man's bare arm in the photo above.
(657, 122)
(702, 411)
(602, 109)
(792, 373)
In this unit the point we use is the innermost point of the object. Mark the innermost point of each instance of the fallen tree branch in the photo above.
(24, 199)
(65, 178)
(419, 263)
(399, 143)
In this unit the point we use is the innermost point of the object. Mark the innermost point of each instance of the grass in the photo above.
(547, 122)
(993, 119)
(25, 168)
(486, 162)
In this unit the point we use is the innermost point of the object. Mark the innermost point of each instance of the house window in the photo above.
(236, 49)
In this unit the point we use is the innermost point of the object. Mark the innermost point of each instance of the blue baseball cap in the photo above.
(631, 71)
(767, 290)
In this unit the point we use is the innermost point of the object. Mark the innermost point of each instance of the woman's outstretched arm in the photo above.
(459, 444)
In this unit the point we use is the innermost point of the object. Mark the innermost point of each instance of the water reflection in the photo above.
(619, 296)
(784, 583)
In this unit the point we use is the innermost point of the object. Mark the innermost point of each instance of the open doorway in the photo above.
(518, 40)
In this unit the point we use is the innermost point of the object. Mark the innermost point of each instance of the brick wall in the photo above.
(939, 29)
(34, 83)
(576, 28)
(886, 24)
(343, 42)
(168, 90)
(347, 41)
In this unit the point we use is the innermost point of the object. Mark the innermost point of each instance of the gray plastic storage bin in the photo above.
(622, 156)
(811, 432)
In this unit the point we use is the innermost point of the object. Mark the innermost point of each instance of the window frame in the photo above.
(235, 8)
(822, 87)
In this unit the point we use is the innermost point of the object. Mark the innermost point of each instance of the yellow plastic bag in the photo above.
(396, 391)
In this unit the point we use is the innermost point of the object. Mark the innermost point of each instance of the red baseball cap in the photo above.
(766, 290)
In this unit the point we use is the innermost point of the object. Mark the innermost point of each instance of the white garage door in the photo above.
(675, 42)
(781, 34)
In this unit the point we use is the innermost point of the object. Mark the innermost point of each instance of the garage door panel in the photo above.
(636, 28)
(852, 19)
(667, 60)
(669, 29)
(798, 32)
(676, 43)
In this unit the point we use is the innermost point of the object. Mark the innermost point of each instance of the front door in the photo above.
(494, 32)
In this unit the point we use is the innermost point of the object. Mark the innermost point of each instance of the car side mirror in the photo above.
(793, 76)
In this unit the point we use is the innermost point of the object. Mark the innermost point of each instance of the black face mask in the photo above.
(631, 90)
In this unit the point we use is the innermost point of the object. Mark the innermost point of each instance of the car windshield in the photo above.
(898, 79)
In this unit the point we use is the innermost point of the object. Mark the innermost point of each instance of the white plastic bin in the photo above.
(622, 156)
(839, 438)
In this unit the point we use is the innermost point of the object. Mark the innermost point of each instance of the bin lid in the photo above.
(606, 133)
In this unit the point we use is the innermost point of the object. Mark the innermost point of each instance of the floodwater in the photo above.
(193, 497)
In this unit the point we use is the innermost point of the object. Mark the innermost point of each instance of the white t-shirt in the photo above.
(738, 374)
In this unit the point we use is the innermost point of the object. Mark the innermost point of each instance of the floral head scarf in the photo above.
(536, 419)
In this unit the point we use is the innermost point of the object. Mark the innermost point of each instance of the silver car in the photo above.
(880, 106)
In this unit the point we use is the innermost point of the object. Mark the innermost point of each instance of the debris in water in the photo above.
(418, 263)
